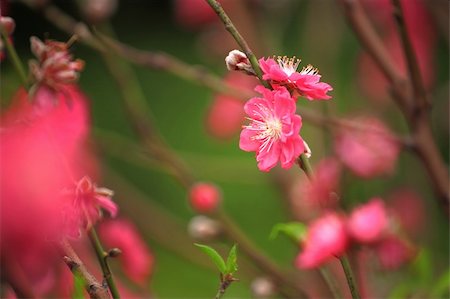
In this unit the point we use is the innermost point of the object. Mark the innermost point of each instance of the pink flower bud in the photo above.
(194, 14)
(98, 10)
(325, 239)
(8, 24)
(238, 61)
(204, 197)
(369, 150)
(368, 222)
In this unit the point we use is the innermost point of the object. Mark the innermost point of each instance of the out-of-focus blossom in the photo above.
(43, 148)
(420, 30)
(408, 208)
(273, 132)
(194, 14)
(263, 287)
(55, 65)
(99, 10)
(8, 24)
(369, 150)
(226, 114)
(394, 252)
(136, 258)
(85, 203)
(325, 239)
(321, 191)
(205, 197)
(369, 222)
(203, 228)
(238, 61)
(306, 83)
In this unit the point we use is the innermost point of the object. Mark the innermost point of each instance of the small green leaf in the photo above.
(232, 260)
(294, 230)
(215, 256)
(440, 288)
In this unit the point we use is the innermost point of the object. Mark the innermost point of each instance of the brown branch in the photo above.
(422, 139)
(76, 266)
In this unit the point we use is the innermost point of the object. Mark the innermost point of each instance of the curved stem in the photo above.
(229, 26)
(101, 256)
(350, 277)
(17, 63)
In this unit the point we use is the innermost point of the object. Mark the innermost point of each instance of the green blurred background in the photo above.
(312, 30)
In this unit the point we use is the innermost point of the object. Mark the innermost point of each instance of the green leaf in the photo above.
(294, 230)
(215, 256)
(440, 288)
(78, 286)
(232, 260)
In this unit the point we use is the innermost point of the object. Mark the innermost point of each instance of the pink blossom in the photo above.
(322, 190)
(273, 132)
(408, 208)
(284, 73)
(136, 258)
(394, 252)
(204, 197)
(369, 222)
(325, 239)
(226, 113)
(369, 150)
(42, 147)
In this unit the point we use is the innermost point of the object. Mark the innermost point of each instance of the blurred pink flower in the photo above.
(321, 191)
(273, 132)
(205, 197)
(42, 149)
(85, 202)
(408, 208)
(394, 252)
(325, 239)
(368, 222)
(369, 150)
(194, 14)
(226, 113)
(284, 73)
(136, 259)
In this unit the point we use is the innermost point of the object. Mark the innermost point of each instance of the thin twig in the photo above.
(15, 60)
(422, 140)
(76, 266)
(258, 257)
(350, 277)
(102, 258)
(416, 79)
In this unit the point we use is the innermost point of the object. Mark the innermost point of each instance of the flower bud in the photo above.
(204, 197)
(8, 23)
(263, 287)
(203, 228)
(238, 61)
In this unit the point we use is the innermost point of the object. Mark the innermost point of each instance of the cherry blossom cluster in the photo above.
(273, 131)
